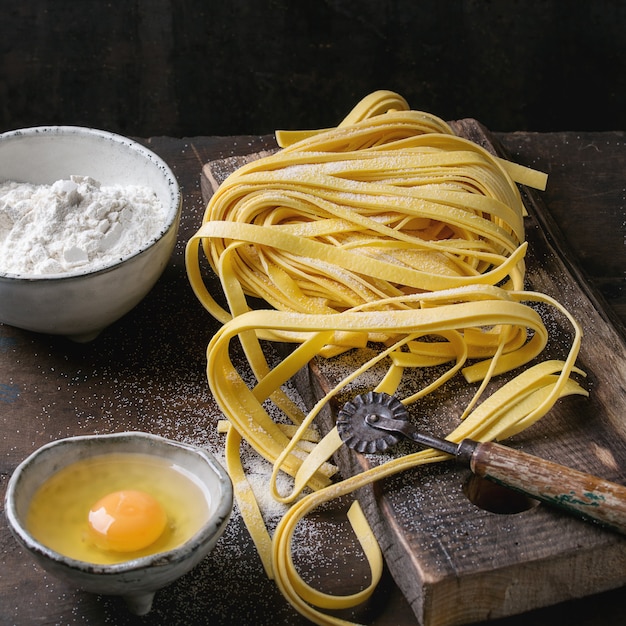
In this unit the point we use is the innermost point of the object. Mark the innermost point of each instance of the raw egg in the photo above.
(126, 521)
(111, 508)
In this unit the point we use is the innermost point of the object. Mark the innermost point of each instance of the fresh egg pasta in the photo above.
(387, 230)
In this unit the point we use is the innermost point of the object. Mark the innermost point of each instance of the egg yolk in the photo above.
(126, 521)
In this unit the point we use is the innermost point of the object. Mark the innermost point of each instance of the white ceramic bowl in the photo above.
(81, 304)
(139, 579)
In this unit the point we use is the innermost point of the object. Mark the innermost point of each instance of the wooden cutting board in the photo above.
(456, 560)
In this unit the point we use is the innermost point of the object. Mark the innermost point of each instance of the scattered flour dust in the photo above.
(73, 224)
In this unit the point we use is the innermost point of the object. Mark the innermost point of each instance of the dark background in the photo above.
(209, 67)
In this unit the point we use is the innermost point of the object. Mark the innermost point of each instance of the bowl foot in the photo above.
(85, 337)
(139, 603)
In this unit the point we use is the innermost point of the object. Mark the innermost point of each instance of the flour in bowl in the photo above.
(74, 224)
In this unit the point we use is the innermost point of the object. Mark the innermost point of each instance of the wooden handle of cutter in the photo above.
(582, 494)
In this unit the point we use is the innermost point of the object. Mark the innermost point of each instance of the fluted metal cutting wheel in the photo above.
(357, 434)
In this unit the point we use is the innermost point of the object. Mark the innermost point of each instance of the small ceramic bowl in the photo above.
(136, 580)
(80, 304)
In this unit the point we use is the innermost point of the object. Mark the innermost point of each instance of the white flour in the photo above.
(73, 224)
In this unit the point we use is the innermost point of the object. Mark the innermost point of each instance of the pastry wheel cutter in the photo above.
(373, 422)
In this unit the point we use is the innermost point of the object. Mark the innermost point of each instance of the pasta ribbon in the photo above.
(387, 230)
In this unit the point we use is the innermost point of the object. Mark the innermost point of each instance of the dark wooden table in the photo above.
(146, 372)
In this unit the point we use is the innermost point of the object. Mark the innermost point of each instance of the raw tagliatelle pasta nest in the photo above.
(387, 230)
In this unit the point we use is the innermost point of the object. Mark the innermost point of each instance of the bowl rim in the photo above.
(173, 210)
(212, 527)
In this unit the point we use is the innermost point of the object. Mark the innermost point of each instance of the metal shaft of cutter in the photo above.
(408, 430)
